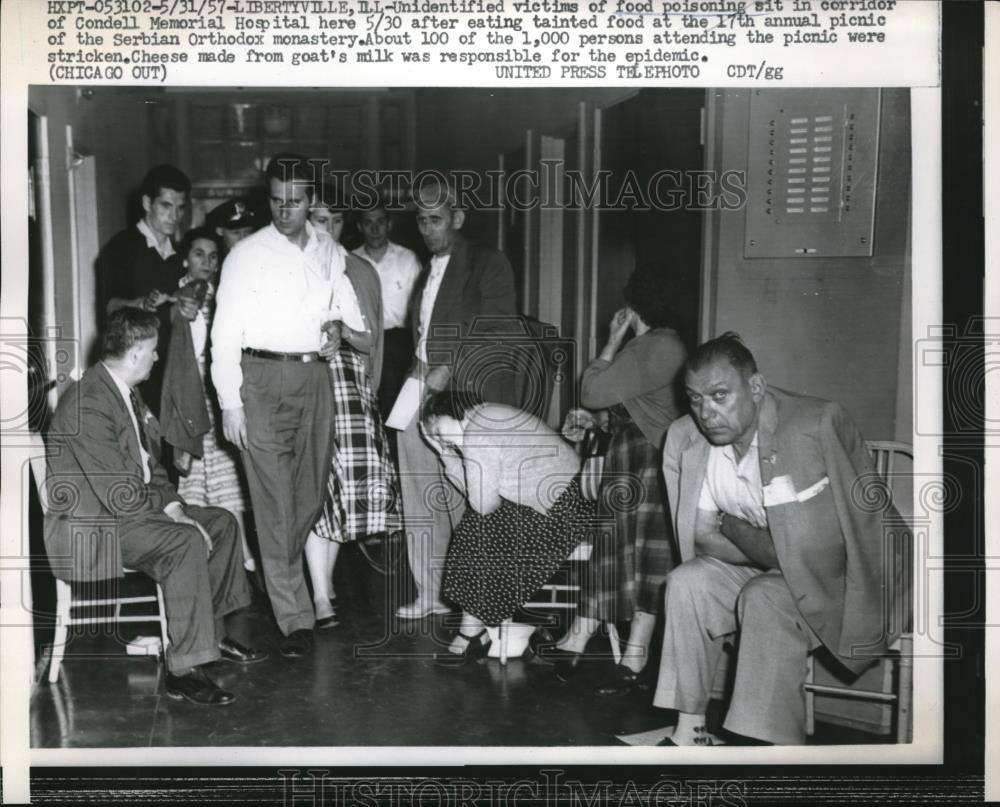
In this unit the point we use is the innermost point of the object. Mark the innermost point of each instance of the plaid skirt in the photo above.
(216, 478)
(635, 548)
(497, 561)
(362, 489)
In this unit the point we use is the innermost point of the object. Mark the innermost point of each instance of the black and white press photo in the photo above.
(549, 418)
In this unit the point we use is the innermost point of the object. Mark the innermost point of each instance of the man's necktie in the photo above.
(138, 419)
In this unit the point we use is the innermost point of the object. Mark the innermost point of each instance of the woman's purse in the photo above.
(594, 448)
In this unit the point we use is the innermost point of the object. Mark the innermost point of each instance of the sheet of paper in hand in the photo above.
(407, 405)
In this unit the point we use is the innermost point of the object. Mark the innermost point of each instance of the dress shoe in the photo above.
(296, 644)
(234, 651)
(701, 736)
(419, 609)
(623, 681)
(566, 663)
(540, 641)
(476, 647)
(198, 688)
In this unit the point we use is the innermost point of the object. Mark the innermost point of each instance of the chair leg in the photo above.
(888, 664)
(164, 638)
(64, 602)
(504, 630)
(904, 697)
(615, 641)
(810, 697)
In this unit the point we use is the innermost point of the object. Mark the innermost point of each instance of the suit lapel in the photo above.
(767, 452)
(694, 464)
(767, 447)
(451, 284)
(120, 408)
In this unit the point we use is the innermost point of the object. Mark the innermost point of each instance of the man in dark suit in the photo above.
(767, 493)
(463, 284)
(114, 507)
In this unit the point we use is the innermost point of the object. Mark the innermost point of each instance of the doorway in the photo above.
(648, 133)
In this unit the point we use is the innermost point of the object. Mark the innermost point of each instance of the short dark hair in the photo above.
(125, 328)
(730, 347)
(165, 176)
(380, 204)
(288, 167)
(648, 293)
(197, 234)
(450, 402)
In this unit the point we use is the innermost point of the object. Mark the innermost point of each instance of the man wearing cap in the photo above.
(233, 221)
(274, 391)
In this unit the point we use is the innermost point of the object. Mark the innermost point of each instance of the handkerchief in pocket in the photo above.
(782, 491)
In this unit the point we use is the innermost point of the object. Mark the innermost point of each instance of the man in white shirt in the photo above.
(398, 269)
(273, 387)
(776, 545)
(118, 509)
(465, 283)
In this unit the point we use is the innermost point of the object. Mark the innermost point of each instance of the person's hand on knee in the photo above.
(176, 512)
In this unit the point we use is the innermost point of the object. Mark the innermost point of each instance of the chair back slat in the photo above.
(884, 454)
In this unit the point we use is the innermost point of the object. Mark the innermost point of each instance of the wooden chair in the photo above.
(68, 604)
(899, 666)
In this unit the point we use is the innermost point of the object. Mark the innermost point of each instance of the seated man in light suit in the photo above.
(120, 510)
(774, 543)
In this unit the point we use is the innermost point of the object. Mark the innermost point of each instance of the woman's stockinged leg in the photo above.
(579, 633)
(635, 654)
(317, 559)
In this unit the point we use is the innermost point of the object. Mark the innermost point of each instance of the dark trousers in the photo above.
(198, 589)
(397, 358)
(289, 411)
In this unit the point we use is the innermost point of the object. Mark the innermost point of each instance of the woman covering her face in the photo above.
(633, 380)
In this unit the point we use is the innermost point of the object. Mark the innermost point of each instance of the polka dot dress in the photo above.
(497, 561)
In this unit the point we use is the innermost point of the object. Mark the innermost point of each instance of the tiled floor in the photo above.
(369, 682)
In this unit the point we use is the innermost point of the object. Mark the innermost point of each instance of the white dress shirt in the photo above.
(126, 392)
(398, 271)
(273, 295)
(165, 249)
(438, 264)
(733, 487)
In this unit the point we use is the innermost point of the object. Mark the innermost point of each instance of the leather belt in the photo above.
(274, 355)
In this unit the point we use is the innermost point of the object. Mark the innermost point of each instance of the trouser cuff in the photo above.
(179, 665)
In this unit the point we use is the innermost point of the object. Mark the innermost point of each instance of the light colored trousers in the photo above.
(431, 508)
(707, 601)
